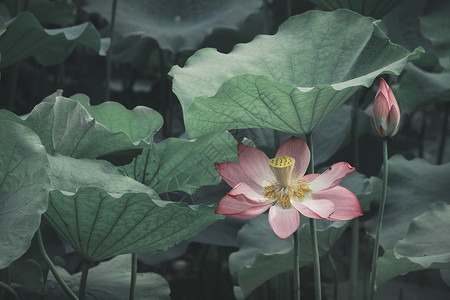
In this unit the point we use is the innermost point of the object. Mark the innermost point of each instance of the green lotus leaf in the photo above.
(110, 280)
(290, 81)
(102, 213)
(24, 183)
(411, 193)
(373, 8)
(73, 127)
(25, 37)
(176, 25)
(426, 246)
(427, 241)
(181, 165)
(435, 26)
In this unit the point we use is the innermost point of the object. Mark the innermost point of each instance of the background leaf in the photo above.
(267, 83)
(411, 193)
(180, 165)
(110, 281)
(24, 183)
(25, 37)
(373, 8)
(175, 24)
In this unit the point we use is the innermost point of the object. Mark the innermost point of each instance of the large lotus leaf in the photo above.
(427, 239)
(181, 165)
(24, 182)
(373, 8)
(433, 83)
(435, 26)
(177, 25)
(25, 37)
(110, 280)
(74, 128)
(103, 213)
(413, 186)
(426, 246)
(290, 81)
(262, 255)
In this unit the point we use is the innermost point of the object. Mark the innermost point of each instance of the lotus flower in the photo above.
(385, 112)
(280, 185)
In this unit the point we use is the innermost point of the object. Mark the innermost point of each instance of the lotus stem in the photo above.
(296, 265)
(133, 275)
(335, 275)
(376, 247)
(7, 287)
(108, 54)
(443, 134)
(52, 267)
(83, 281)
(355, 222)
(313, 229)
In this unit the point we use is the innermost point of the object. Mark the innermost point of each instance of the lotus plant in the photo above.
(280, 185)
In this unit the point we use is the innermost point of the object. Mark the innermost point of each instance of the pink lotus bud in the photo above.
(385, 112)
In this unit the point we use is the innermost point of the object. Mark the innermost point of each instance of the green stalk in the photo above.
(335, 275)
(288, 8)
(443, 134)
(266, 16)
(7, 287)
(108, 54)
(12, 86)
(83, 281)
(376, 247)
(313, 229)
(296, 265)
(355, 222)
(52, 267)
(133, 275)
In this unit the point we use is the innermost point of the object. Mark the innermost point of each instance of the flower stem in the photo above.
(335, 275)
(83, 281)
(376, 247)
(296, 265)
(52, 267)
(355, 222)
(9, 289)
(444, 134)
(313, 229)
(108, 54)
(133, 275)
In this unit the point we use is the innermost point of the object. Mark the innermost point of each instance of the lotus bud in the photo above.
(385, 112)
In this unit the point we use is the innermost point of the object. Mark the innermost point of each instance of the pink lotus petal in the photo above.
(310, 177)
(297, 149)
(284, 222)
(255, 164)
(232, 173)
(232, 206)
(380, 110)
(346, 204)
(331, 177)
(245, 193)
(317, 209)
(393, 121)
(250, 213)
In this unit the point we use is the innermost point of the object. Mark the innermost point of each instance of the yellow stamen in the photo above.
(284, 195)
(282, 167)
